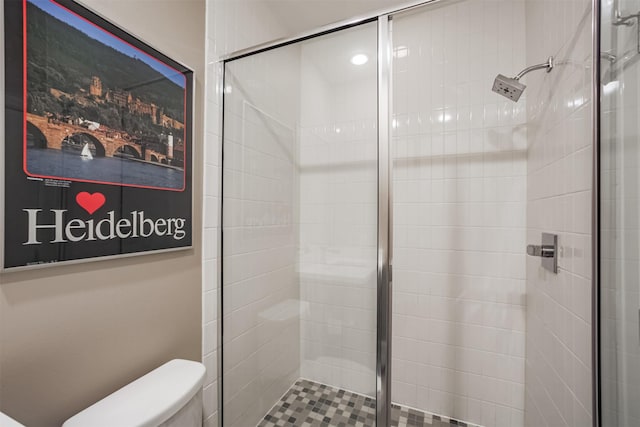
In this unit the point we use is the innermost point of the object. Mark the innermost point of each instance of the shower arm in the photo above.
(545, 65)
(624, 20)
(627, 21)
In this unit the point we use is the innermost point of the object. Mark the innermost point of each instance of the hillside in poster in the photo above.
(64, 58)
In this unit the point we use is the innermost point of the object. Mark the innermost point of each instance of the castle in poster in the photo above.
(125, 99)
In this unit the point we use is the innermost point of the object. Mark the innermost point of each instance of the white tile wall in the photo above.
(460, 174)
(224, 21)
(620, 290)
(558, 356)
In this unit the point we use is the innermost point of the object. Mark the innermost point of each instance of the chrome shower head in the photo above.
(508, 87)
(511, 87)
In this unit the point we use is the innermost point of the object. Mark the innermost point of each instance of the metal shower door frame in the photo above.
(384, 238)
(596, 387)
(384, 229)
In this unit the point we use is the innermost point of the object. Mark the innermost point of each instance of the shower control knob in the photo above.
(542, 251)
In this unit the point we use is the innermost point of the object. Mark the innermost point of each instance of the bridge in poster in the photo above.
(49, 133)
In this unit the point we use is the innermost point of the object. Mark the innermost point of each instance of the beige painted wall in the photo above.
(71, 335)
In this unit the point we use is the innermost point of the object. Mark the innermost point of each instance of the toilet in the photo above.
(168, 396)
(7, 421)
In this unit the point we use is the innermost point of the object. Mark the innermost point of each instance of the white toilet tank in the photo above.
(168, 396)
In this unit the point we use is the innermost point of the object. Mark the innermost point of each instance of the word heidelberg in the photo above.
(76, 230)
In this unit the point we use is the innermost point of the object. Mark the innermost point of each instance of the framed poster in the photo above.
(98, 139)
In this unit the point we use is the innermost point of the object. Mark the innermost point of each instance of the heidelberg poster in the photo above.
(98, 130)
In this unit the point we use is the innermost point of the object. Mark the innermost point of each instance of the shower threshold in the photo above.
(311, 404)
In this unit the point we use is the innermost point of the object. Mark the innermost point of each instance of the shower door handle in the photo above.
(548, 251)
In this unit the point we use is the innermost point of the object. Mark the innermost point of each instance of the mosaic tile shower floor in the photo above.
(311, 404)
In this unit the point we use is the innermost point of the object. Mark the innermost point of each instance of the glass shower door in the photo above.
(299, 232)
(619, 216)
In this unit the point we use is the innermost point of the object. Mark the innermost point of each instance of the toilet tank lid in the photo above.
(148, 401)
(7, 421)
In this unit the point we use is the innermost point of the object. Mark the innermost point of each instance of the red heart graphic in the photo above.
(90, 202)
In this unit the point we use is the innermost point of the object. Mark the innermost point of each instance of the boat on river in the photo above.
(86, 152)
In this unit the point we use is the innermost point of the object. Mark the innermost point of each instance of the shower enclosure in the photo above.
(375, 197)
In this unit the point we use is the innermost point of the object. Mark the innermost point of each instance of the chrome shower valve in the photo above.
(548, 251)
